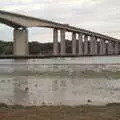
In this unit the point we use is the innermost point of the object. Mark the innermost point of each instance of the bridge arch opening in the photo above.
(40, 41)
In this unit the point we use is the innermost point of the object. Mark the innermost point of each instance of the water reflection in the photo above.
(21, 90)
(24, 82)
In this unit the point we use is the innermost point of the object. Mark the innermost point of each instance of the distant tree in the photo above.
(8, 50)
(34, 48)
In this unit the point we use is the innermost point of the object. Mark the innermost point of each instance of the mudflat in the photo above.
(83, 112)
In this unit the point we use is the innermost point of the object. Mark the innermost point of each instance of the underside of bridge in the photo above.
(87, 43)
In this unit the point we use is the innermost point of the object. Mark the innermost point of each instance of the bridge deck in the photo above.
(17, 20)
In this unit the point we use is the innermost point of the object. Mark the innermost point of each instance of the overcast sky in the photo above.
(101, 16)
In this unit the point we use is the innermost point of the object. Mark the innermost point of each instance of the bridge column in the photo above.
(74, 43)
(86, 52)
(21, 42)
(80, 42)
(110, 47)
(116, 48)
(102, 47)
(62, 42)
(55, 41)
(96, 46)
(119, 48)
(93, 46)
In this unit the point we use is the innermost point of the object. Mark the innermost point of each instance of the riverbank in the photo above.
(83, 112)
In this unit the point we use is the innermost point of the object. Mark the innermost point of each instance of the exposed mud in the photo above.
(85, 112)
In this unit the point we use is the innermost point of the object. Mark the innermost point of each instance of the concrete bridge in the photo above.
(89, 43)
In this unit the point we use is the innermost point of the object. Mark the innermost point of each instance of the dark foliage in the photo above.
(35, 48)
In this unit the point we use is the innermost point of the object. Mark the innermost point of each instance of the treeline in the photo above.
(6, 48)
(35, 48)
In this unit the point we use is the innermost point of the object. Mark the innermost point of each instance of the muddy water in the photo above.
(60, 81)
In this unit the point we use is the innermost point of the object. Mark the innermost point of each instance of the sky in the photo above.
(102, 16)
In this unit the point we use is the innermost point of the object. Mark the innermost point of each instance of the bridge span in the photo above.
(88, 43)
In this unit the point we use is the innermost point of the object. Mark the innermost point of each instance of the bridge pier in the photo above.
(116, 48)
(86, 52)
(20, 42)
(110, 47)
(74, 43)
(62, 42)
(80, 44)
(96, 46)
(102, 47)
(93, 46)
(55, 42)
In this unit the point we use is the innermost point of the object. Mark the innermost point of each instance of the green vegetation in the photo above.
(40, 48)
(6, 48)
(35, 48)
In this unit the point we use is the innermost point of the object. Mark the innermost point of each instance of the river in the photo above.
(60, 81)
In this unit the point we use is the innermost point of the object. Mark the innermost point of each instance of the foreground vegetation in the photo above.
(85, 112)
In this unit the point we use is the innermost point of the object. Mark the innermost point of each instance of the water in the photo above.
(60, 81)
